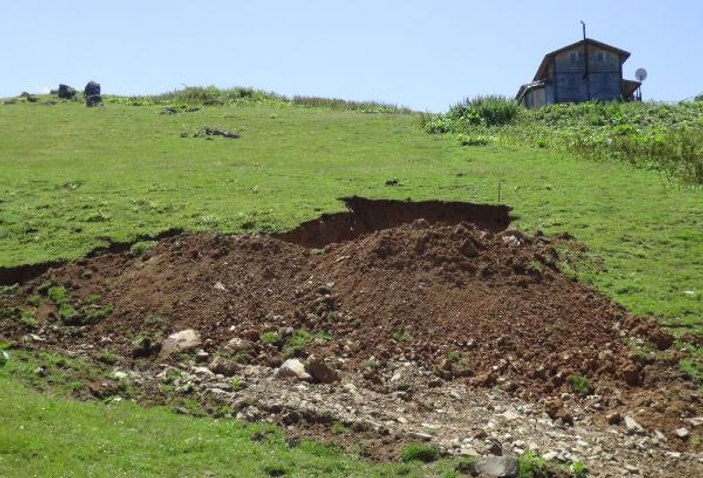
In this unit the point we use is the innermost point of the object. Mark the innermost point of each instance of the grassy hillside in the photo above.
(72, 177)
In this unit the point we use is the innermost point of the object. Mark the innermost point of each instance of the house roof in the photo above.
(542, 70)
(526, 88)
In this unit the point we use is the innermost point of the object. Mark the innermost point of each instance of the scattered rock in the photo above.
(292, 368)
(143, 347)
(320, 371)
(180, 342)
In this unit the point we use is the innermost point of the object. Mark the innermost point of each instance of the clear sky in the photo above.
(417, 53)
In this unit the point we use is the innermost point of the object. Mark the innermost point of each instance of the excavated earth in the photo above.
(451, 329)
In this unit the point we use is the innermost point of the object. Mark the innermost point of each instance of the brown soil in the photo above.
(481, 305)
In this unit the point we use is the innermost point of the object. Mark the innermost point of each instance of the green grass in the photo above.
(62, 167)
(49, 436)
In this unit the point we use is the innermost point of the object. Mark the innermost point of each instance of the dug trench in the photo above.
(411, 322)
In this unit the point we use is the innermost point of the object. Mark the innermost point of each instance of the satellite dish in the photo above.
(641, 74)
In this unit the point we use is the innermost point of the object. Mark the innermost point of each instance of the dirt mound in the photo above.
(463, 303)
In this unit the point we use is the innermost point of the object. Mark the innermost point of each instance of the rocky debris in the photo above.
(497, 467)
(208, 132)
(92, 94)
(144, 346)
(292, 368)
(320, 371)
(180, 342)
(66, 92)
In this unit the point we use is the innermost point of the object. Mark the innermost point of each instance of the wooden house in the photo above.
(583, 71)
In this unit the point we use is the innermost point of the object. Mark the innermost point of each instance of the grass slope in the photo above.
(48, 436)
(71, 177)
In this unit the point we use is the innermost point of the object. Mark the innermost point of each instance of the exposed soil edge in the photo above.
(26, 272)
(369, 215)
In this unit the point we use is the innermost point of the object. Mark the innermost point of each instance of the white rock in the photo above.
(119, 375)
(292, 368)
(696, 422)
(219, 286)
(180, 342)
(632, 426)
(682, 432)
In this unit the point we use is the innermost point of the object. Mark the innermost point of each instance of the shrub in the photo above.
(492, 110)
(141, 247)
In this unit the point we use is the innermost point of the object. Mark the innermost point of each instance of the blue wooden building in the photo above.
(583, 71)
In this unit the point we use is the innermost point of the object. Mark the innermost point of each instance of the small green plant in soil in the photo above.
(34, 300)
(28, 319)
(270, 338)
(141, 247)
(579, 384)
(531, 465)
(419, 452)
(57, 294)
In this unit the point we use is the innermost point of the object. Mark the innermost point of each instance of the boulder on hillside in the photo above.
(66, 92)
(180, 342)
(92, 94)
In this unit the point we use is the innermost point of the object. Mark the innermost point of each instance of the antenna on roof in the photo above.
(583, 25)
(641, 74)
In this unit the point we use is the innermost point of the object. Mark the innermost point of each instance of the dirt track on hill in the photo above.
(475, 307)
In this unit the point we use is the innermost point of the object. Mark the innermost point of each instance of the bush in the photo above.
(489, 110)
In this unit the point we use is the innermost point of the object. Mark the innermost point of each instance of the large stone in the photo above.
(292, 368)
(66, 92)
(497, 467)
(92, 94)
(320, 371)
(180, 342)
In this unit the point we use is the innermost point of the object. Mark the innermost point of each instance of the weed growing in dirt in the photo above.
(34, 300)
(270, 338)
(28, 319)
(141, 247)
(57, 294)
(419, 452)
(579, 384)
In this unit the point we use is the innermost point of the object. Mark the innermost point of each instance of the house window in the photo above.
(575, 57)
(600, 57)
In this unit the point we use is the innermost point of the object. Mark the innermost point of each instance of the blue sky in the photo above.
(422, 54)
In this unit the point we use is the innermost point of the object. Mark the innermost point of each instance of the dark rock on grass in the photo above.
(92, 94)
(208, 132)
(320, 371)
(66, 92)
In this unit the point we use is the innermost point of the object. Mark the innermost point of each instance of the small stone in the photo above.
(40, 371)
(320, 371)
(238, 344)
(632, 426)
(682, 433)
(223, 366)
(696, 422)
(119, 375)
(421, 436)
(550, 455)
(180, 342)
(631, 468)
(292, 368)
(219, 286)
(510, 415)
(498, 467)
(496, 448)
(202, 356)
(659, 436)
(468, 451)
(614, 418)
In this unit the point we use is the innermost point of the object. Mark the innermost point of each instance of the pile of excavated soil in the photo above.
(488, 309)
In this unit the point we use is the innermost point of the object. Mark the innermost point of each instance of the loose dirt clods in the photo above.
(435, 329)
